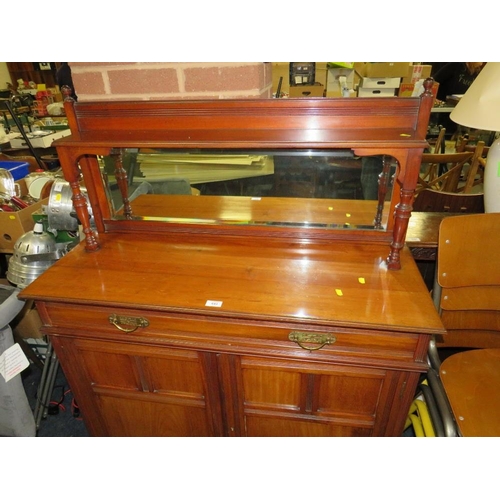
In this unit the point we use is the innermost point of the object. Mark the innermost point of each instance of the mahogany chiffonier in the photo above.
(231, 279)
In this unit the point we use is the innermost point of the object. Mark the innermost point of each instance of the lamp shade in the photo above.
(479, 107)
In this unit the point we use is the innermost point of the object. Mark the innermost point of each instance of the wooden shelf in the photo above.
(29, 72)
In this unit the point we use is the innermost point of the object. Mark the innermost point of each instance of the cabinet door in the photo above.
(134, 390)
(284, 398)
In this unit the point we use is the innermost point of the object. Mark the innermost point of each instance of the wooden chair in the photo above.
(442, 171)
(437, 146)
(471, 381)
(430, 200)
(475, 175)
(468, 274)
(468, 298)
(465, 144)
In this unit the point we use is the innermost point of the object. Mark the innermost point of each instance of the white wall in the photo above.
(4, 75)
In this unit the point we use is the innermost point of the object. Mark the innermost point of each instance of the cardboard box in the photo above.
(360, 69)
(334, 88)
(333, 75)
(417, 72)
(380, 83)
(14, 224)
(408, 89)
(363, 92)
(282, 69)
(316, 90)
(383, 69)
(321, 73)
(43, 141)
(387, 70)
(27, 323)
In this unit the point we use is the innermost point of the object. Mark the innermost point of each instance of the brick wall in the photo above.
(148, 81)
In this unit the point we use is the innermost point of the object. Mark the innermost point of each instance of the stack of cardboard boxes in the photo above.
(366, 79)
(381, 79)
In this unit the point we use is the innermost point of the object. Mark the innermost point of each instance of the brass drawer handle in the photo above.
(312, 338)
(130, 321)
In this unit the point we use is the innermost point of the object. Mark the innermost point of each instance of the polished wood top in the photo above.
(423, 229)
(472, 383)
(342, 283)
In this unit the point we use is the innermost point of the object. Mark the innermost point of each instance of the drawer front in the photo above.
(229, 334)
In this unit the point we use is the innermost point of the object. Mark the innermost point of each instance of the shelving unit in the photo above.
(29, 71)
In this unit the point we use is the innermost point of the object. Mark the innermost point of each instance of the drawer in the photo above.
(227, 334)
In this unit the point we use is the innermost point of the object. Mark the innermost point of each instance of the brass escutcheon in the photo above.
(311, 338)
(134, 323)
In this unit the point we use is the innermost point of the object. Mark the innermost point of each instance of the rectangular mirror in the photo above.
(257, 187)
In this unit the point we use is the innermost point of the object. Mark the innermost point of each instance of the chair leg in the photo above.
(436, 420)
(442, 405)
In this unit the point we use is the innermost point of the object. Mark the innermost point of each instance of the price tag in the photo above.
(213, 303)
(13, 361)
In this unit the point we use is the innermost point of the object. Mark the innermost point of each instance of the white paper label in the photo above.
(12, 362)
(213, 303)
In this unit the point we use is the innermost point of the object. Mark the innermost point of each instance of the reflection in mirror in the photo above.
(336, 188)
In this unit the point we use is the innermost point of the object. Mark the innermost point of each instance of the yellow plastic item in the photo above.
(419, 419)
(348, 65)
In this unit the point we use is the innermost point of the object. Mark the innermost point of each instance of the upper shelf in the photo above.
(280, 123)
(278, 130)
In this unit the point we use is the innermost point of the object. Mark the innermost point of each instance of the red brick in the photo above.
(210, 79)
(88, 83)
(143, 81)
(92, 64)
(169, 80)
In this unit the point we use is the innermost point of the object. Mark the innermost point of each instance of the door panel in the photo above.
(307, 398)
(148, 391)
(262, 426)
(130, 417)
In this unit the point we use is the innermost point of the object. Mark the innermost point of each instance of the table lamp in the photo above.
(479, 108)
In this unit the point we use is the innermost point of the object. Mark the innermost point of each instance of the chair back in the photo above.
(430, 200)
(438, 145)
(443, 171)
(475, 175)
(468, 272)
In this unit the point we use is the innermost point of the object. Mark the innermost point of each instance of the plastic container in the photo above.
(18, 169)
(35, 175)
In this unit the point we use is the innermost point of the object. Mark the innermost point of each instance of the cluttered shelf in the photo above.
(30, 121)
